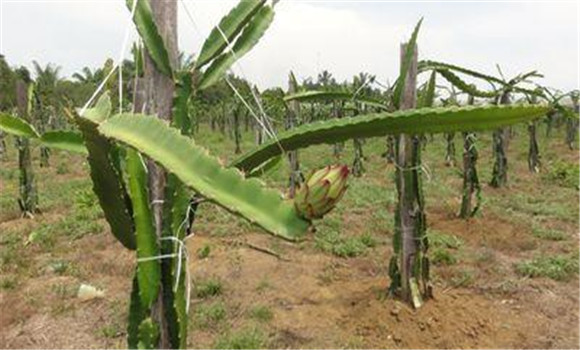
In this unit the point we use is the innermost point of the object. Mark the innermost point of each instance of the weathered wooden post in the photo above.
(292, 116)
(28, 200)
(159, 89)
(409, 242)
(533, 150)
(500, 145)
(237, 110)
(471, 184)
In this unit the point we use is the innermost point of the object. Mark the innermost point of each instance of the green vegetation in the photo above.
(208, 288)
(559, 267)
(247, 338)
(444, 247)
(204, 251)
(564, 174)
(210, 315)
(261, 313)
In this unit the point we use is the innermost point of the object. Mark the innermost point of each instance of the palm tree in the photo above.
(325, 79)
(88, 76)
(47, 100)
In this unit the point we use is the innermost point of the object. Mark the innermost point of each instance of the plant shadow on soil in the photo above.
(507, 278)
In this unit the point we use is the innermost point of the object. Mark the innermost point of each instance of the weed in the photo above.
(8, 283)
(263, 285)
(86, 199)
(485, 256)
(209, 288)
(439, 239)
(563, 174)
(261, 313)
(247, 338)
(559, 267)
(442, 256)
(368, 240)
(204, 251)
(442, 246)
(349, 247)
(62, 168)
(463, 279)
(548, 234)
(111, 330)
(332, 241)
(210, 315)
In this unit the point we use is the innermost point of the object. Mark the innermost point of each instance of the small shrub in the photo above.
(209, 288)
(559, 267)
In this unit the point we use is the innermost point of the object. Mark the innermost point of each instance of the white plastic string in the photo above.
(362, 87)
(422, 168)
(236, 62)
(258, 119)
(471, 137)
(265, 118)
(181, 253)
(121, 57)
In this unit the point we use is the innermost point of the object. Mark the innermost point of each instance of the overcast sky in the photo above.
(345, 37)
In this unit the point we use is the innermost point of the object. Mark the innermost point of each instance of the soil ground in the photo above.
(507, 278)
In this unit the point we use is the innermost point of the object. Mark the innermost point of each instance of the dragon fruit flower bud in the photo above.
(320, 193)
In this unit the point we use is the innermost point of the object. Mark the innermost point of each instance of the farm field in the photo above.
(507, 278)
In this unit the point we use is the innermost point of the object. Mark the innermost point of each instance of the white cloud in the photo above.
(343, 37)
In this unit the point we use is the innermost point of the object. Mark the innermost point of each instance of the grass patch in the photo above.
(204, 251)
(548, 234)
(8, 283)
(559, 267)
(563, 174)
(111, 330)
(442, 256)
(210, 315)
(439, 239)
(263, 285)
(464, 278)
(442, 247)
(330, 240)
(209, 288)
(261, 313)
(247, 338)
